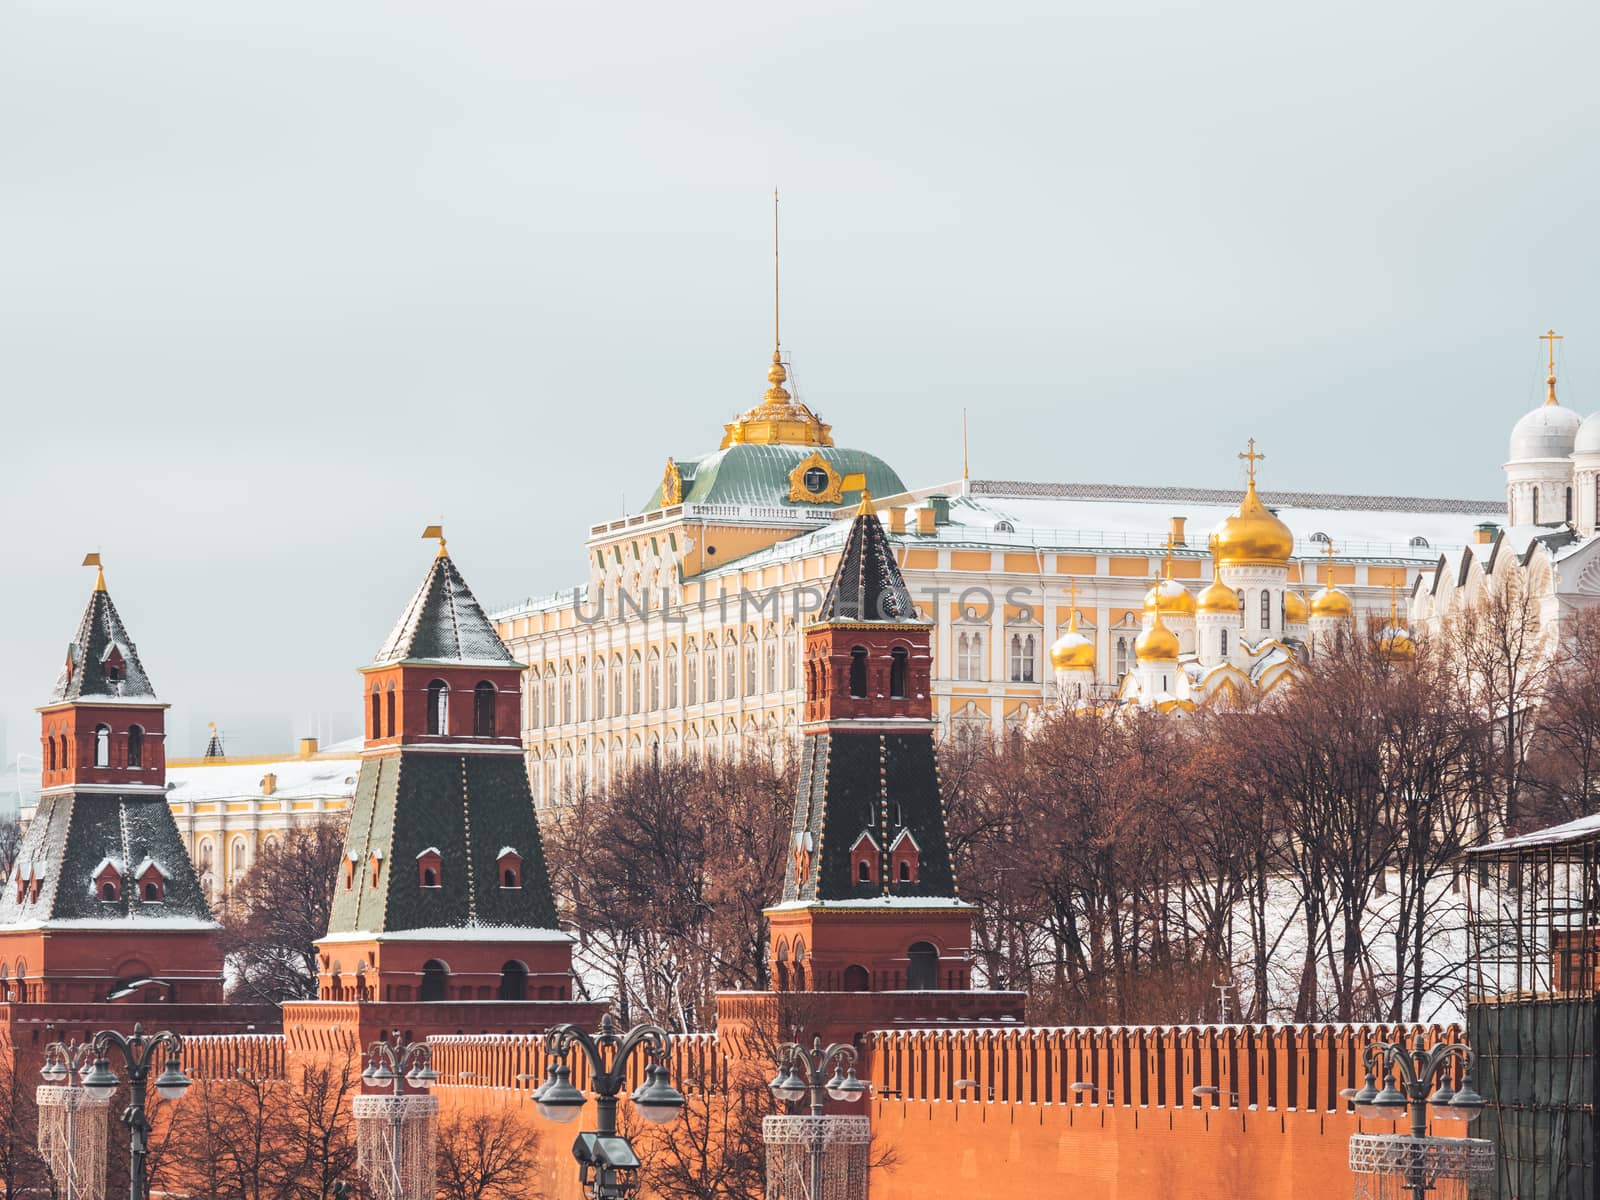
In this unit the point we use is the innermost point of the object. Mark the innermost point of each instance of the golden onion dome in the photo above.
(1397, 646)
(1072, 652)
(1294, 609)
(1252, 536)
(1331, 602)
(1156, 644)
(1170, 597)
(1218, 597)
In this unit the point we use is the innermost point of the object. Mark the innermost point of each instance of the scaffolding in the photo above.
(1533, 962)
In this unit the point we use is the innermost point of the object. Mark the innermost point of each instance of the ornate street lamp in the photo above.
(396, 1133)
(608, 1168)
(72, 1123)
(137, 1053)
(803, 1073)
(1415, 1163)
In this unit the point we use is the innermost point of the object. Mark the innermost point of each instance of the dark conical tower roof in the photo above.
(102, 660)
(867, 585)
(444, 623)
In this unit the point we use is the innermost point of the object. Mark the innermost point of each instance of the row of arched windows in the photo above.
(58, 755)
(484, 696)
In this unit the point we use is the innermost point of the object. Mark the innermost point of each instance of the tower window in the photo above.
(1536, 506)
(858, 673)
(922, 967)
(377, 705)
(863, 872)
(483, 698)
(108, 890)
(897, 673)
(135, 746)
(102, 745)
(1224, 643)
(1266, 609)
(438, 707)
(50, 752)
(513, 981)
(434, 974)
(1569, 505)
(388, 701)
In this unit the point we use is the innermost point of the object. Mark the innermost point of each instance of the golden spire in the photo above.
(1170, 544)
(1251, 457)
(93, 560)
(965, 474)
(437, 531)
(1552, 337)
(776, 340)
(866, 502)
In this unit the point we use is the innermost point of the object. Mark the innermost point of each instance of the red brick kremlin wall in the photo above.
(1095, 1113)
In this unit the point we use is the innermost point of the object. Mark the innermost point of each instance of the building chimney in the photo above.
(269, 784)
(1177, 532)
(925, 520)
(1484, 534)
(308, 747)
(897, 520)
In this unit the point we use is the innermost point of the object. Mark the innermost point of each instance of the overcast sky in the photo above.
(281, 283)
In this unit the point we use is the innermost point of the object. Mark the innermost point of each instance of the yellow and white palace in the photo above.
(684, 636)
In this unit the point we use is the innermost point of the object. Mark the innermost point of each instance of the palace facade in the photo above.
(685, 636)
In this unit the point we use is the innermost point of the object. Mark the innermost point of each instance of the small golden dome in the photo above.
(1171, 597)
(1252, 536)
(776, 375)
(1156, 644)
(1294, 609)
(1331, 602)
(1397, 646)
(1072, 651)
(1218, 597)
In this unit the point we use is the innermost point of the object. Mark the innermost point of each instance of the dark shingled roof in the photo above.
(100, 640)
(444, 623)
(465, 806)
(877, 783)
(72, 835)
(867, 585)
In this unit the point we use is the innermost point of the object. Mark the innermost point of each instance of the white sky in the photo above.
(280, 283)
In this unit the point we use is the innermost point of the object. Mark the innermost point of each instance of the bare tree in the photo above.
(278, 910)
(485, 1156)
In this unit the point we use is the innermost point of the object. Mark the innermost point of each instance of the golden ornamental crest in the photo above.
(671, 485)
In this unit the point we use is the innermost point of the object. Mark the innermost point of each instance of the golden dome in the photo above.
(1294, 609)
(1331, 602)
(1218, 597)
(1171, 597)
(1072, 651)
(1397, 645)
(779, 419)
(1252, 536)
(1156, 644)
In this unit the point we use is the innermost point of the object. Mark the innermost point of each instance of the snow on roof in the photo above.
(466, 933)
(505, 850)
(905, 836)
(433, 850)
(297, 779)
(146, 865)
(99, 868)
(873, 902)
(1583, 829)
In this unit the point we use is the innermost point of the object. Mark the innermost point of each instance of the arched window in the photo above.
(799, 965)
(513, 981)
(863, 872)
(1022, 656)
(905, 871)
(108, 890)
(897, 673)
(856, 979)
(65, 761)
(691, 675)
(102, 745)
(1122, 658)
(483, 698)
(434, 974)
(1266, 608)
(152, 890)
(566, 696)
(50, 753)
(438, 707)
(135, 746)
(388, 703)
(599, 692)
(654, 673)
(922, 967)
(1224, 643)
(635, 684)
(1569, 505)
(1535, 505)
(239, 852)
(711, 669)
(377, 713)
(672, 677)
(858, 673)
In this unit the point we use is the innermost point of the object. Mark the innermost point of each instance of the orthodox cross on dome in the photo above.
(1327, 549)
(93, 560)
(1251, 457)
(1172, 543)
(1551, 337)
(437, 531)
(1072, 603)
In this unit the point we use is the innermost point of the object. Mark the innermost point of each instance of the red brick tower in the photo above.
(442, 902)
(870, 914)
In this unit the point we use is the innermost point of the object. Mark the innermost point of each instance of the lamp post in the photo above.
(802, 1071)
(607, 1165)
(138, 1052)
(1424, 1086)
(391, 1066)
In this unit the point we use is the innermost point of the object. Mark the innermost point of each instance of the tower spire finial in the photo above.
(1328, 550)
(965, 474)
(777, 340)
(1251, 457)
(437, 531)
(1552, 337)
(93, 560)
(1072, 602)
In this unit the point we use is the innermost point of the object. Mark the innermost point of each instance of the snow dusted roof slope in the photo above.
(445, 624)
(1584, 829)
(102, 661)
(867, 585)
